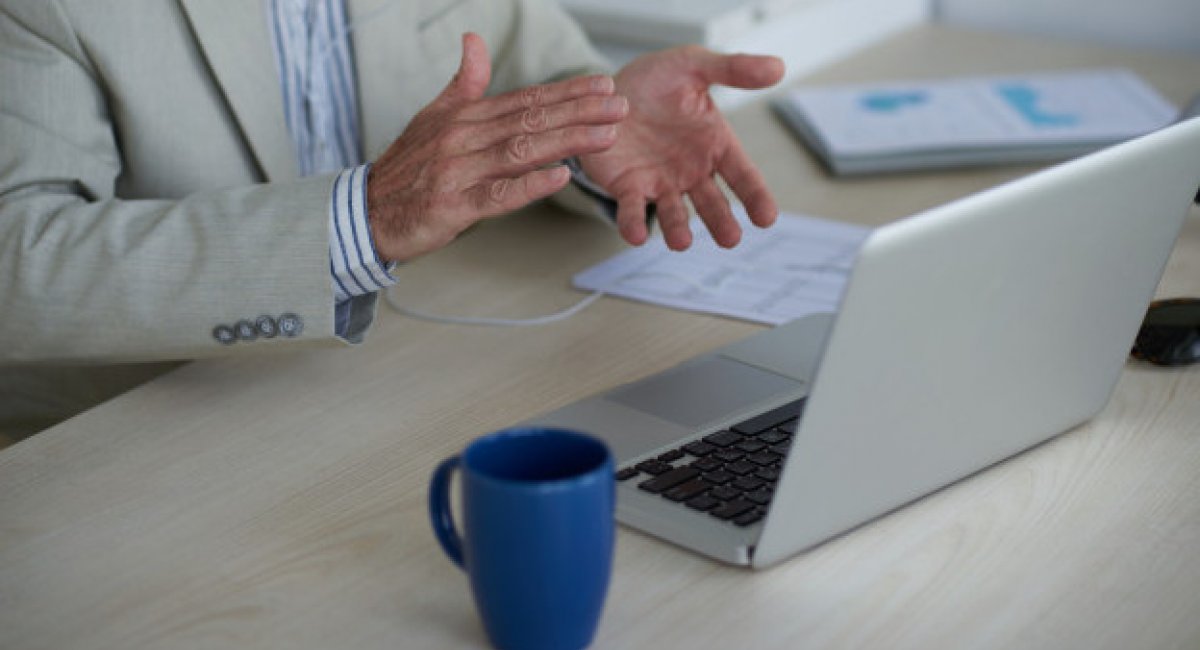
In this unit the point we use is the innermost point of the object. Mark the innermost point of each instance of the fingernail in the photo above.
(616, 105)
(602, 84)
(605, 132)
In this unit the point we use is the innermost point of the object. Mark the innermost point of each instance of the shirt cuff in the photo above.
(354, 265)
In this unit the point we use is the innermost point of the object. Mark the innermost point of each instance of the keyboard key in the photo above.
(789, 426)
(768, 474)
(707, 464)
(703, 502)
(761, 497)
(773, 437)
(627, 473)
(699, 448)
(729, 455)
(670, 479)
(782, 448)
(741, 467)
(732, 509)
(671, 456)
(747, 483)
(769, 419)
(723, 438)
(763, 458)
(719, 477)
(724, 493)
(653, 467)
(691, 489)
(748, 518)
(751, 445)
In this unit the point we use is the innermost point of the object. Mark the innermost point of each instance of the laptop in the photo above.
(965, 334)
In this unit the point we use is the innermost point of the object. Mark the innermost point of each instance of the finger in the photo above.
(503, 195)
(539, 95)
(594, 110)
(748, 185)
(473, 76)
(523, 153)
(748, 71)
(673, 219)
(713, 208)
(631, 218)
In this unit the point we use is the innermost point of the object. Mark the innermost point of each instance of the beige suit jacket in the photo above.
(148, 185)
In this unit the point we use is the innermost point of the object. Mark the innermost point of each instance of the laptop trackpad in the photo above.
(698, 393)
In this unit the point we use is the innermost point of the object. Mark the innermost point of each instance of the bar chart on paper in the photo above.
(795, 268)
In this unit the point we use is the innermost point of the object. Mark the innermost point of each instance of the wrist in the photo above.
(356, 264)
(376, 212)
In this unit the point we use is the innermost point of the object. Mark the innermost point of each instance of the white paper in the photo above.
(797, 267)
(1099, 106)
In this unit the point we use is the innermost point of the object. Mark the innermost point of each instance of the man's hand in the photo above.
(465, 157)
(675, 142)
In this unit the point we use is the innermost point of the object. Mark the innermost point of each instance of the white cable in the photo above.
(499, 322)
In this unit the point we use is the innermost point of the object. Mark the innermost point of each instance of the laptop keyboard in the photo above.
(730, 474)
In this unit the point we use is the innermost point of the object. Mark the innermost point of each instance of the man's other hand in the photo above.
(676, 142)
(465, 157)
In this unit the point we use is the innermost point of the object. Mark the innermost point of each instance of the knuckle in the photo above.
(533, 95)
(492, 194)
(519, 149)
(498, 190)
(534, 120)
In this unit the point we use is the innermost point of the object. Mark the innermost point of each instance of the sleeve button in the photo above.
(266, 326)
(224, 335)
(245, 330)
(290, 325)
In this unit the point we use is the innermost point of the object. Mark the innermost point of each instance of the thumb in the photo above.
(474, 72)
(749, 71)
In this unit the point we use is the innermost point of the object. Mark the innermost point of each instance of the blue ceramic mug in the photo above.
(537, 544)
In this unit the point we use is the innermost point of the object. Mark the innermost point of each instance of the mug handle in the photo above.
(439, 510)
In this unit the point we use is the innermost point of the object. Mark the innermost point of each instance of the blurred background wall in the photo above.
(1170, 25)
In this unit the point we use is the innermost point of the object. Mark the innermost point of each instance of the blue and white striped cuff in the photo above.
(354, 265)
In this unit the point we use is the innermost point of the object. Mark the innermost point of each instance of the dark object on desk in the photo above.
(1192, 109)
(1170, 334)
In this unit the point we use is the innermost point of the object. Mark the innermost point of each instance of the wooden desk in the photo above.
(245, 503)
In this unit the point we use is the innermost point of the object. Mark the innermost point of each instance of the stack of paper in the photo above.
(904, 125)
(797, 267)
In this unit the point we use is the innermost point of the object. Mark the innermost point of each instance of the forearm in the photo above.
(115, 280)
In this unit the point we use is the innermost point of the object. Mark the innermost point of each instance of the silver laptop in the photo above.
(966, 334)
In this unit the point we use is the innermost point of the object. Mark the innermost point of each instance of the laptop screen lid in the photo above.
(979, 328)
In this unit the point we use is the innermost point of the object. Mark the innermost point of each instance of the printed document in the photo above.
(898, 125)
(797, 267)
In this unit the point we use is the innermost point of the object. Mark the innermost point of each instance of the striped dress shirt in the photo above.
(316, 76)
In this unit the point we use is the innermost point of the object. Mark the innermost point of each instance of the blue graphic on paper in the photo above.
(890, 102)
(1025, 101)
